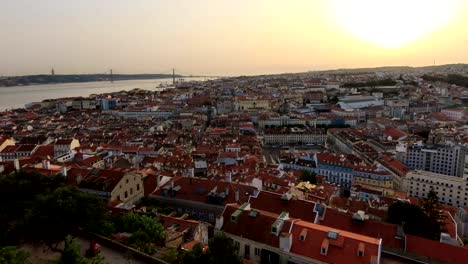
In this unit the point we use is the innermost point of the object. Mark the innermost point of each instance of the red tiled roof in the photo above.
(150, 183)
(344, 249)
(198, 189)
(45, 150)
(256, 228)
(272, 202)
(394, 165)
(388, 232)
(182, 224)
(63, 142)
(436, 250)
(10, 149)
(395, 133)
(74, 173)
(26, 148)
(102, 180)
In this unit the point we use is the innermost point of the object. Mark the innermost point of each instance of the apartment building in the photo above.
(457, 114)
(443, 159)
(295, 135)
(280, 121)
(265, 237)
(451, 190)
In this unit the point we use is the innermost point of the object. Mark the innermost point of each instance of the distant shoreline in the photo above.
(79, 78)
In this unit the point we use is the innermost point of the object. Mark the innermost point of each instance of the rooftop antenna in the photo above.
(52, 72)
(111, 76)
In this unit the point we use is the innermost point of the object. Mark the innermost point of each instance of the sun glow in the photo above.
(393, 23)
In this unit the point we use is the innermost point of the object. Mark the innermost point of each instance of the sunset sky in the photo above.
(225, 37)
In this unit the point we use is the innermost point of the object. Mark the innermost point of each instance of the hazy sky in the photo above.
(227, 37)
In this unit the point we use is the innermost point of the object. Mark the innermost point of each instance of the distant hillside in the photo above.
(460, 68)
(76, 78)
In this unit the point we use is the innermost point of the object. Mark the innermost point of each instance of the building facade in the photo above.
(451, 190)
(443, 159)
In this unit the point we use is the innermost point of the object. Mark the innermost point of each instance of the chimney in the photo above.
(46, 164)
(17, 164)
(292, 188)
(228, 177)
(237, 195)
(285, 242)
(64, 171)
(219, 222)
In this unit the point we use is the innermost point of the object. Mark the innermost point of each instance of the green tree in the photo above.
(333, 100)
(307, 176)
(170, 255)
(195, 256)
(414, 219)
(146, 231)
(410, 216)
(221, 249)
(61, 212)
(72, 254)
(18, 193)
(11, 255)
(433, 209)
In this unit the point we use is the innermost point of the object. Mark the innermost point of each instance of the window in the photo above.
(323, 251)
(361, 253)
(236, 245)
(246, 252)
(126, 194)
(273, 230)
(138, 187)
(258, 252)
(131, 191)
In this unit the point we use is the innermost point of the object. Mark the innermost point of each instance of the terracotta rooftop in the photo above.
(201, 190)
(343, 249)
(273, 202)
(388, 232)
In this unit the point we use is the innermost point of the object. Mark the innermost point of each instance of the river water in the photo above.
(18, 96)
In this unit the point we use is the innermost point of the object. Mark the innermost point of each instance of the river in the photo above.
(18, 96)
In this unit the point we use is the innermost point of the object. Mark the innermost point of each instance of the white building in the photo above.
(294, 136)
(457, 114)
(450, 190)
(461, 218)
(280, 121)
(251, 103)
(443, 159)
(65, 146)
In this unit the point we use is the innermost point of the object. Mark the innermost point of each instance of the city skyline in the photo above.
(226, 38)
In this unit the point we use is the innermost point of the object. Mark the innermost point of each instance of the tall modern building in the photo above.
(442, 159)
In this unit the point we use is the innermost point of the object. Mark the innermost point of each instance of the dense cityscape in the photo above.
(358, 166)
(234, 132)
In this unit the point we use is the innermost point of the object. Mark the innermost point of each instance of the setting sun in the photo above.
(393, 23)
